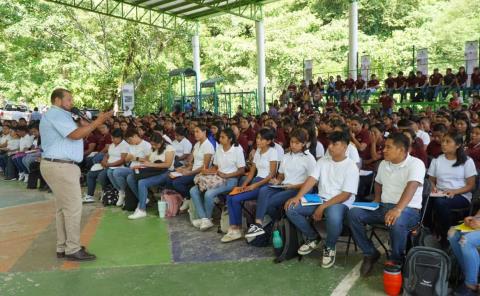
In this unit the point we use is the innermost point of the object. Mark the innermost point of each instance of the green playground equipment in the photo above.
(221, 102)
(178, 89)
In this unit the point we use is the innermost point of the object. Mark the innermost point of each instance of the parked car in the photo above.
(14, 112)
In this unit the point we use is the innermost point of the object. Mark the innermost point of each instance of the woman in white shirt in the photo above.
(113, 159)
(34, 155)
(12, 147)
(262, 170)
(159, 163)
(138, 151)
(452, 175)
(229, 164)
(25, 144)
(183, 147)
(313, 145)
(295, 167)
(202, 156)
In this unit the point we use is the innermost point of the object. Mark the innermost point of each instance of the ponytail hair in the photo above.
(230, 135)
(460, 153)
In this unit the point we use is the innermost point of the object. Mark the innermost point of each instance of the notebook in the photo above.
(280, 186)
(174, 175)
(438, 194)
(237, 190)
(371, 206)
(464, 228)
(312, 200)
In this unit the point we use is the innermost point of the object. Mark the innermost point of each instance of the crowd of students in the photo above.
(384, 157)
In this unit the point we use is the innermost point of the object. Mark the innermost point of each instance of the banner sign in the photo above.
(422, 61)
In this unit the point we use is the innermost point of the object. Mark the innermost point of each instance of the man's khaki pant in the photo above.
(64, 180)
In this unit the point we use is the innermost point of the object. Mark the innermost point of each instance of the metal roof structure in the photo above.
(175, 15)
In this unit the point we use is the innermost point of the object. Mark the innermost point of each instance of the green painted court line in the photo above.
(122, 242)
(221, 278)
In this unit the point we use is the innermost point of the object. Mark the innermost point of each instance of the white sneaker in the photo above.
(88, 199)
(25, 180)
(185, 205)
(121, 198)
(147, 201)
(197, 223)
(206, 224)
(21, 176)
(231, 236)
(138, 214)
(308, 247)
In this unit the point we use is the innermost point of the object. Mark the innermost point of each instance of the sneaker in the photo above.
(88, 199)
(308, 247)
(121, 198)
(21, 176)
(328, 257)
(368, 262)
(185, 205)
(25, 180)
(254, 231)
(138, 214)
(147, 201)
(206, 224)
(197, 223)
(231, 236)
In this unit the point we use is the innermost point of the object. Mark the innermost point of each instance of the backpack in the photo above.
(10, 169)
(174, 200)
(131, 200)
(109, 196)
(426, 272)
(292, 239)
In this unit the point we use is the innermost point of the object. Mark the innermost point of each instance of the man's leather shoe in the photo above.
(81, 255)
(61, 255)
(367, 264)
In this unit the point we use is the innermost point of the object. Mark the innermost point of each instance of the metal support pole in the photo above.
(260, 36)
(196, 63)
(353, 38)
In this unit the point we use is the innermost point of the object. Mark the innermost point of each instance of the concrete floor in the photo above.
(148, 256)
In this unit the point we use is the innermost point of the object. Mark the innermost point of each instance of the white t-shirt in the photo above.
(25, 142)
(262, 161)
(199, 151)
(229, 161)
(296, 167)
(450, 177)
(336, 177)
(424, 136)
(183, 147)
(4, 139)
(394, 179)
(115, 152)
(351, 153)
(280, 151)
(142, 150)
(14, 145)
(319, 150)
(155, 156)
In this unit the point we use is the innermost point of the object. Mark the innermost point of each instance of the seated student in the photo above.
(229, 164)
(161, 160)
(295, 167)
(262, 170)
(183, 147)
(416, 147)
(30, 158)
(313, 145)
(462, 126)
(434, 149)
(202, 154)
(351, 151)
(337, 178)
(398, 187)
(25, 144)
(113, 159)
(12, 147)
(5, 136)
(138, 150)
(465, 247)
(473, 148)
(452, 173)
(360, 137)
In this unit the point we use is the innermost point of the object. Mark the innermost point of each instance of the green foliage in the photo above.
(43, 45)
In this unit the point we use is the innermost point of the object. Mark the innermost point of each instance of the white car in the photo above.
(14, 112)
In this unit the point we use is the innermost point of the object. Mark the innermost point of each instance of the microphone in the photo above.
(80, 114)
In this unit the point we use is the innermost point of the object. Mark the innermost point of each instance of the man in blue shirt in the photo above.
(62, 146)
(36, 116)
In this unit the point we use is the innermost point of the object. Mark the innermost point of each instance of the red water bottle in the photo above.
(392, 279)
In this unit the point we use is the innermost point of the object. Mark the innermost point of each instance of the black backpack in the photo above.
(426, 272)
(292, 239)
(131, 200)
(109, 196)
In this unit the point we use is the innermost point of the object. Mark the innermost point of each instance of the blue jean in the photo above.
(464, 246)
(140, 187)
(3, 161)
(234, 202)
(334, 216)
(93, 177)
(358, 218)
(181, 184)
(17, 161)
(205, 207)
(29, 159)
(118, 177)
(270, 200)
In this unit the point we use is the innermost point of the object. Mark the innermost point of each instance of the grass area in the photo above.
(122, 242)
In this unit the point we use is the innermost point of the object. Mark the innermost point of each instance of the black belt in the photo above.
(59, 160)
